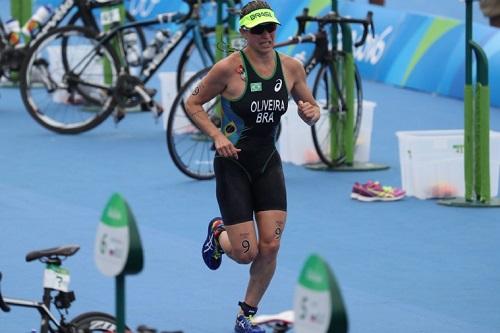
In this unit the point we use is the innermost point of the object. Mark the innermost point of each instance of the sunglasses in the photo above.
(259, 29)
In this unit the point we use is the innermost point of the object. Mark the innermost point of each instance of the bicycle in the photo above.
(73, 78)
(192, 151)
(331, 86)
(11, 56)
(56, 280)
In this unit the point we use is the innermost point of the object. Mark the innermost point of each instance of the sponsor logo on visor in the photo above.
(258, 17)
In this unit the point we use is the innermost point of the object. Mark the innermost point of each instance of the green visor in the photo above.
(257, 17)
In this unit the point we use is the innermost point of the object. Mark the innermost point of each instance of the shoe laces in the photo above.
(209, 246)
(248, 322)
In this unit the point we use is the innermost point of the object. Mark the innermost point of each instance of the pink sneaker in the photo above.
(374, 191)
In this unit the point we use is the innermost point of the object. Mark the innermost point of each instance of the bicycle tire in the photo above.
(128, 18)
(67, 102)
(329, 122)
(93, 322)
(191, 150)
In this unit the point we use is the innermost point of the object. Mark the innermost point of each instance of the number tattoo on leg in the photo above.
(246, 245)
(279, 229)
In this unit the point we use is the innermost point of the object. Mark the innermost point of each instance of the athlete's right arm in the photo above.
(212, 85)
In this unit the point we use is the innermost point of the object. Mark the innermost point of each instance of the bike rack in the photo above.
(476, 126)
(21, 10)
(349, 164)
(221, 37)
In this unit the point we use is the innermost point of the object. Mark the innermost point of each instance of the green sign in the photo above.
(318, 304)
(118, 248)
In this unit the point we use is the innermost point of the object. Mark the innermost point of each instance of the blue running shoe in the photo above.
(212, 251)
(244, 325)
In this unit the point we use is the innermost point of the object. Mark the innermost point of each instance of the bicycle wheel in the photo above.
(191, 150)
(90, 322)
(192, 61)
(66, 80)
(328, 133)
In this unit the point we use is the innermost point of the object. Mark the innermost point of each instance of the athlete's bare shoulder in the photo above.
(293, 70)
(227, 65)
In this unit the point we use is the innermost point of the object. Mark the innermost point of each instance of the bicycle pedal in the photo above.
(118, 115)
(157, 111)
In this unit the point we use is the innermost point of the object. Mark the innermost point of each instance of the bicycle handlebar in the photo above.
(4, 307)
(334, 18)
(309, 38)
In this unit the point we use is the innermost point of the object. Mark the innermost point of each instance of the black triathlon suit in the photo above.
(254, 182)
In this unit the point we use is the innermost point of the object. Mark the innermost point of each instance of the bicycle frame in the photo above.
(44, 310)
(341, 89)
(191, 24)
(56, 279)
(48, 320)
(126, 69)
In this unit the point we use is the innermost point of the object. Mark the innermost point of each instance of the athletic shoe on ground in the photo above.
(374, 191)
(212, 251)
(244, 325)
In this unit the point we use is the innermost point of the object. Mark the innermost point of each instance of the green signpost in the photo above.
(318, 303)
(118, 249)
(476, 126)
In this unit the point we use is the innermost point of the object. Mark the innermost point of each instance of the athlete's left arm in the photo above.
(307, 107)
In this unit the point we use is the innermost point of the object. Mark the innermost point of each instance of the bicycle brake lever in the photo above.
(301, 21)
(366, 25)
(371, 24)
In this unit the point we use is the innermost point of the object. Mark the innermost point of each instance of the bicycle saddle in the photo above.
(64, 251)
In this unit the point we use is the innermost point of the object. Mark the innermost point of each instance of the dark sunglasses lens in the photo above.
(261, 27)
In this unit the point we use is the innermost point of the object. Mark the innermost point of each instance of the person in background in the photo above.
(254, 85)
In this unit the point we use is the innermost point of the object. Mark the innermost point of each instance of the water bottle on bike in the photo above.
(13, 30)
(131, 46)
(160, 38)
(41, 16)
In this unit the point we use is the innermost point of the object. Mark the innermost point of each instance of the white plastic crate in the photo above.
(432, 163)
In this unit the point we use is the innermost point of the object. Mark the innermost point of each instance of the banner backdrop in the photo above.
(409, 50)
